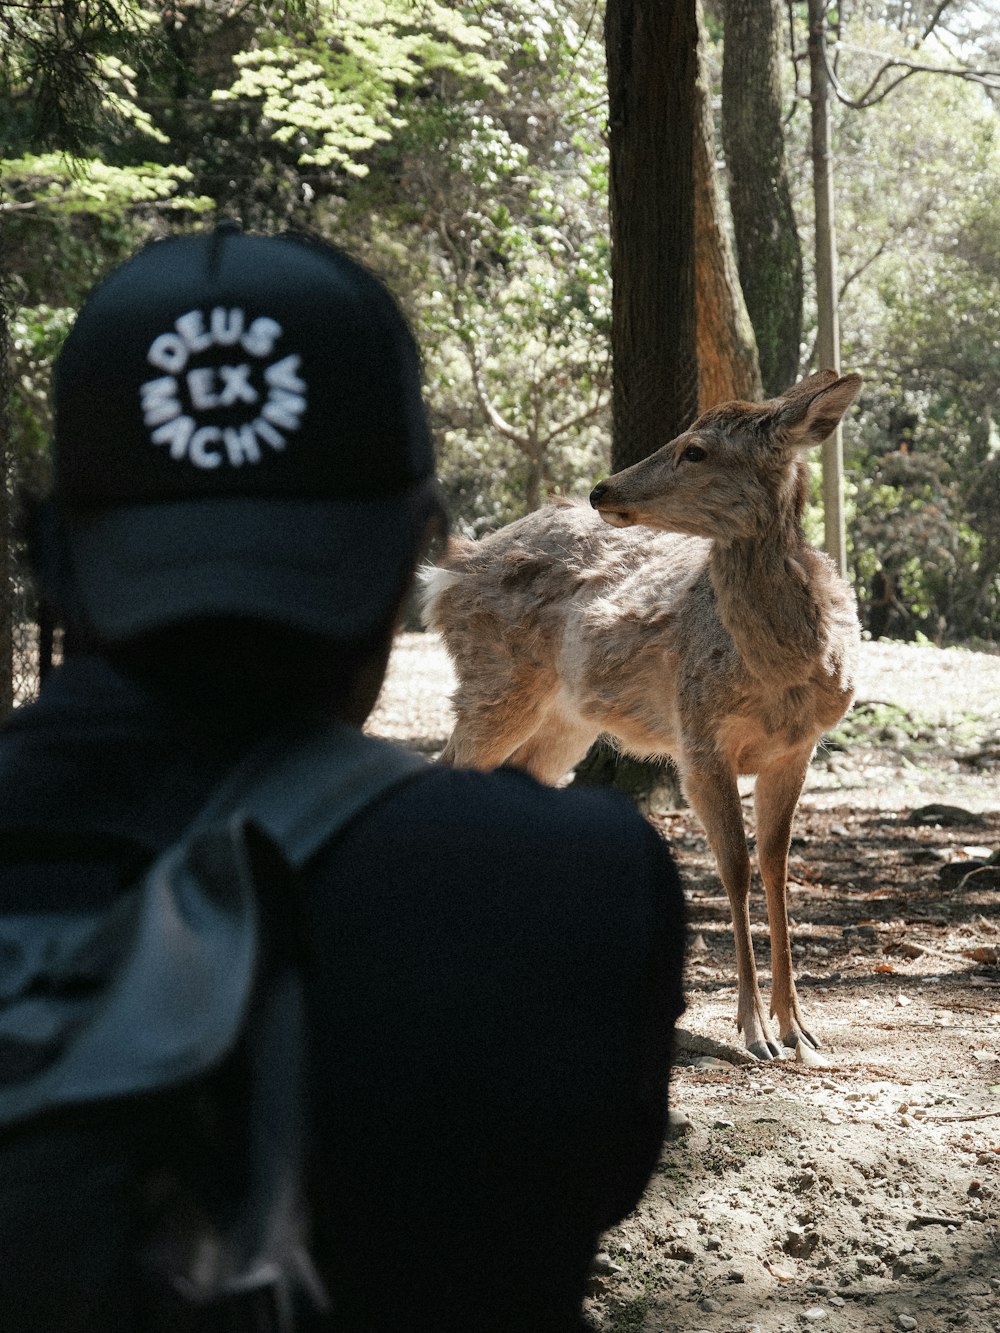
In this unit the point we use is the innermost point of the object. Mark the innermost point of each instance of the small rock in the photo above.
(713, 1242)
(814, 1314)
(723, 1123)
(709, 1305)
(948, 816)
(800, 1241)
(736, 1275)
(605, 1265)
(906, 1321)
(678, 1123)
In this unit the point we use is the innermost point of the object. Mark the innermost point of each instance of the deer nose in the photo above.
(598, 493)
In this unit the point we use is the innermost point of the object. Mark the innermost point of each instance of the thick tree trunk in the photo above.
(726, 348)
(652, 51)
(767, 240)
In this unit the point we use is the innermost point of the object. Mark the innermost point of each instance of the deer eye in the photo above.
(694, 453)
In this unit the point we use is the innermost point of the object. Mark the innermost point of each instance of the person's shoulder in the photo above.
(595, 832)
(506, 793)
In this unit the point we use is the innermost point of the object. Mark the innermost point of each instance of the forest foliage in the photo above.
(461, 150)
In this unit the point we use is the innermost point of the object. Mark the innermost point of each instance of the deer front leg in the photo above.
(775, 797)
(716, 801)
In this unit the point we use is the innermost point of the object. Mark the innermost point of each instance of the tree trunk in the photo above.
(726, 348)
(535, 482)
(6, 534)
(828, 323)
(767, 239)
(652, 51)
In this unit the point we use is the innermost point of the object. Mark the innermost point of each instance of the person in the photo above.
(243, 487)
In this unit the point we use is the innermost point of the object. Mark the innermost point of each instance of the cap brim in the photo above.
(333, 567)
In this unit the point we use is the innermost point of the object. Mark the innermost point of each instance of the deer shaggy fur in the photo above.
(683, 615)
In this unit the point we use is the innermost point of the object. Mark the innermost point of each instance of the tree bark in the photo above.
(767, 239)
(655, 117)
(726, 348)
(827, 315)
(6, 534)
(652, 51)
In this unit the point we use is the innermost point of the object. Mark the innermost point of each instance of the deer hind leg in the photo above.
(556, 746)
(716, 801)
(496, 714)
(775, 798)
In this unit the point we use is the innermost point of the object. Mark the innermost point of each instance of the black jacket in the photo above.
(492, 975)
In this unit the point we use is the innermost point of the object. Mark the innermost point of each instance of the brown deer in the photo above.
(695, 621)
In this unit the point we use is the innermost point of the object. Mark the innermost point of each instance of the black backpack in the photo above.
(186, 996)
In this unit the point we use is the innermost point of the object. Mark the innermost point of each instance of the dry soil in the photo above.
(863, 1194)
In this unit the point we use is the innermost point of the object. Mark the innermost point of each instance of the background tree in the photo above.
(767, 239)
(462, 150)
(726, 348)
(652, 52)
(654, 116)
(62, 73)
(827, 309)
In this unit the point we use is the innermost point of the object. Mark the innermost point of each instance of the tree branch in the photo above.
(986, 78)
(493, 414)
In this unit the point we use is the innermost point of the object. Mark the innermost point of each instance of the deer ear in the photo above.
(811, 411)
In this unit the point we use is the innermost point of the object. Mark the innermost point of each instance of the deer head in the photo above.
(736, 470)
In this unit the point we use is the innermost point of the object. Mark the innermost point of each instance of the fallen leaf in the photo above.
(911, 950)
(884, 967)
(986, 953)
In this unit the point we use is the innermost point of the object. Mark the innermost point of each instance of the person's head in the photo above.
(241, 457)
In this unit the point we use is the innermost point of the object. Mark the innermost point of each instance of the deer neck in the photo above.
(766, 600)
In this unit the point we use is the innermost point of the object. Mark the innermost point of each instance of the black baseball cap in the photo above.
(239, 431)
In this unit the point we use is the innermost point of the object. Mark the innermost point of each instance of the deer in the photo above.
(684, 616)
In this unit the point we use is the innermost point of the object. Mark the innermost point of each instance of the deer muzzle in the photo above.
(602, 499)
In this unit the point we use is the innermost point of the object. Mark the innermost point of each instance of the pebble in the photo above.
(603, 1263)
(814, 1314)
(713, 1242)
(678, 1123)
(906, 1321)
(709, 1305)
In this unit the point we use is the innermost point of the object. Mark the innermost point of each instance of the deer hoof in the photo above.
(766, 1050)
(797, 1036)
(808, 1055)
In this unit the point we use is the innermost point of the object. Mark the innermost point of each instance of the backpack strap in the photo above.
(302, 788)
(168, 973)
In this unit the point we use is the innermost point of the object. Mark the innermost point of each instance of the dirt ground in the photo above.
(863, 1194)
